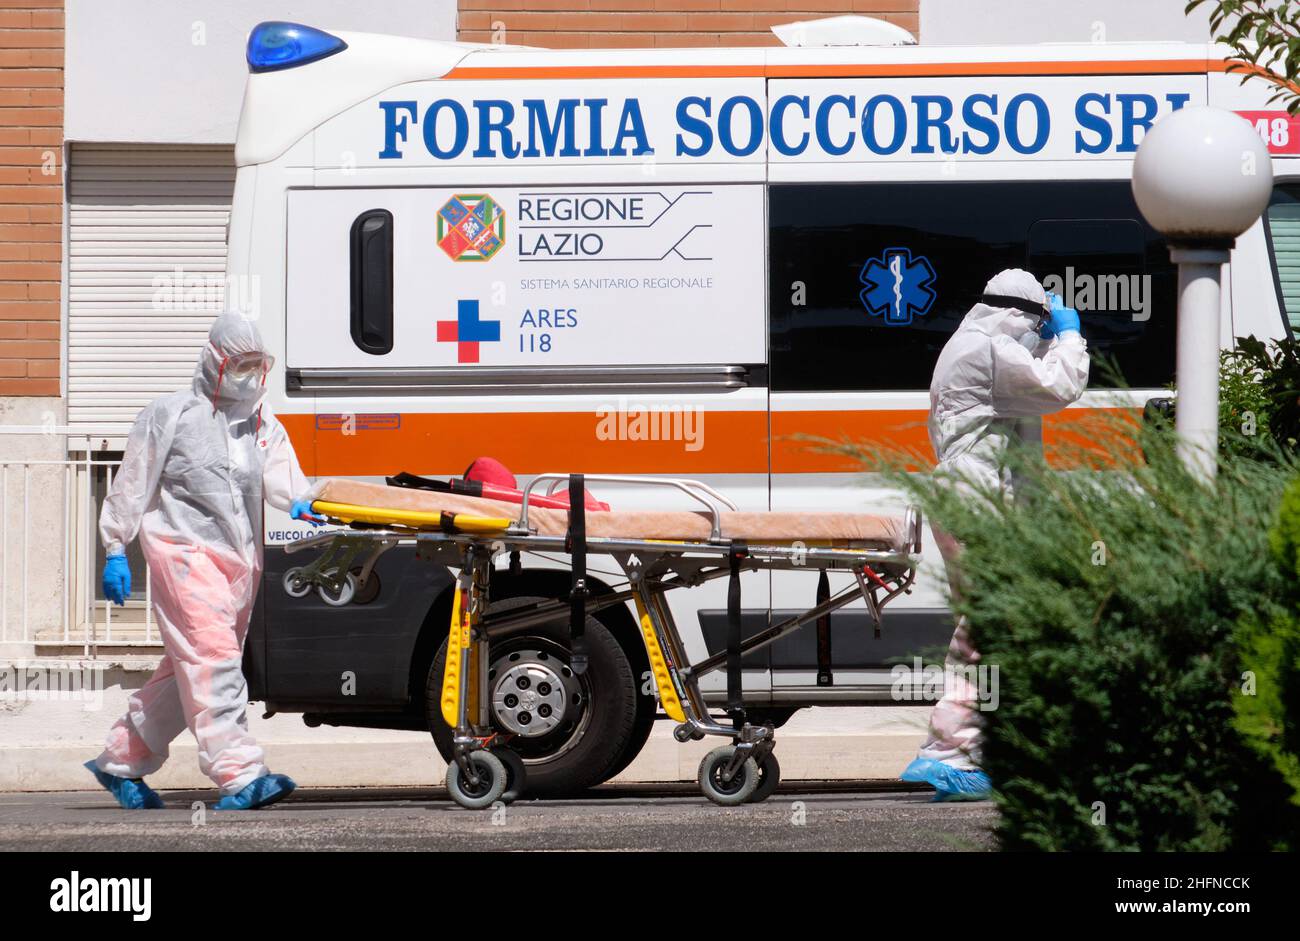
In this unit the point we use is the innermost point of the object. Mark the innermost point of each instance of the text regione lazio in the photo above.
(861, 120)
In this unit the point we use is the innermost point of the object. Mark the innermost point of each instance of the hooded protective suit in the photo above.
(994, 381)
(197, 466)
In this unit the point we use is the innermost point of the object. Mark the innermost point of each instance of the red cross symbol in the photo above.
(467, 331)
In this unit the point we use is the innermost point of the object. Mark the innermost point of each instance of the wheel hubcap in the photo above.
(530, 693)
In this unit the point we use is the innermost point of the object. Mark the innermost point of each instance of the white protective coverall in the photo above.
(994, 381)
(197, 466)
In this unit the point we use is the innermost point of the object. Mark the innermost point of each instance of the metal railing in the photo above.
(49, 537)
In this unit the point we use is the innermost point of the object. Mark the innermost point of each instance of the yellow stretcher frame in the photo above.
(457, 644)
(421, 520)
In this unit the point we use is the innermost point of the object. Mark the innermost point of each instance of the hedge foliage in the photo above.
(1118, 602)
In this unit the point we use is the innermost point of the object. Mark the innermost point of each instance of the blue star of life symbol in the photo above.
(897, 286)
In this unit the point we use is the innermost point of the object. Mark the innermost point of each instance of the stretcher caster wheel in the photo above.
(769, 776)
(295, 586)
(516, 775)
(491, 781)
(369, 591)
(727, 793)
(345, 593)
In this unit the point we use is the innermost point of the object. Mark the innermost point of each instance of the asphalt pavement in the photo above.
(800, 816)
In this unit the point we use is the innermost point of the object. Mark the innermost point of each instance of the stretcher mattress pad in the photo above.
(856, 530)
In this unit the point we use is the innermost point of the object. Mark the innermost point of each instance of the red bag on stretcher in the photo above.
(488, 478)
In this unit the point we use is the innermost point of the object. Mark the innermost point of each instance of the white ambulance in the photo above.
(683, 263)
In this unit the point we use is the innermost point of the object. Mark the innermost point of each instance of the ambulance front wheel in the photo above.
(589, 741)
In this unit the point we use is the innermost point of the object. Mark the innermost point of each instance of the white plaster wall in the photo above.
(960, 22)
(172, 71)
(31, 531)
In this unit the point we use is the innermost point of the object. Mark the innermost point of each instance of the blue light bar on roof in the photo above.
(275, 45)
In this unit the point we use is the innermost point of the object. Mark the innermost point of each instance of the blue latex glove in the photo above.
(1062, 319)
(301, 510)
(117, 579)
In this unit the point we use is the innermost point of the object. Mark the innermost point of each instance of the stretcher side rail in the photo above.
(697, 490)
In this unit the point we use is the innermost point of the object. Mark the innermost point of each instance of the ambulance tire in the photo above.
(646, 711)
(585, 750)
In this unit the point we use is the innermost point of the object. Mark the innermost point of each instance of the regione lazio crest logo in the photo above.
(471, 227)
(897, 286)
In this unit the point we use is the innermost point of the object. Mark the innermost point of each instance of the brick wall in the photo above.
(31, 194)
(606, 23)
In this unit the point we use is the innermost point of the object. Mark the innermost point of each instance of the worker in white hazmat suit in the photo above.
(197, 466)
(1018, 355)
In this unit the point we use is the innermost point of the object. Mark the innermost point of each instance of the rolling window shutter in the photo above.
(146, 272)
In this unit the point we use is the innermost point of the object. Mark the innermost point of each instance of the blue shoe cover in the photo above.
(131, 794)
(262, 792)
(949, 783)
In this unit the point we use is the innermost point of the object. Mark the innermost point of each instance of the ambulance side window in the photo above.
(868, 281)
(372, 281)
(1099, 267)
(1284, 243)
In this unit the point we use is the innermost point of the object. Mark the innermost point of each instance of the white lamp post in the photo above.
(1202, 177)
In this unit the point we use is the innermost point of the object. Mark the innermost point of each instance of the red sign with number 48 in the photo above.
(1277, 129)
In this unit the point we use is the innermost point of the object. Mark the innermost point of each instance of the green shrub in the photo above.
(1109, 602)
(1268, 711)
(1259, 396)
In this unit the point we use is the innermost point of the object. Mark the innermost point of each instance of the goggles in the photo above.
(244, 365)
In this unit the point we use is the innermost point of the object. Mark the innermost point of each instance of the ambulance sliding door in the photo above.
(615, 329)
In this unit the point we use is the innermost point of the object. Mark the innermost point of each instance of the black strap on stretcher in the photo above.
(824, 675)
(470, 488)
(735, 691)
(575, 543)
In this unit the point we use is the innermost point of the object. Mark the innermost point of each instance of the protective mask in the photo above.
(242, 376)
(242, 388)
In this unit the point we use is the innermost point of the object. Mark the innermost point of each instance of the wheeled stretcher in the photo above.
(658, 551)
